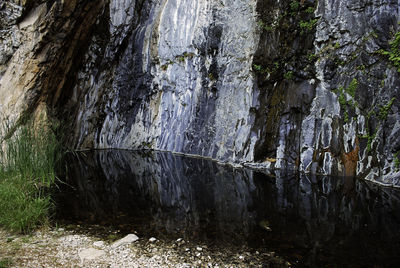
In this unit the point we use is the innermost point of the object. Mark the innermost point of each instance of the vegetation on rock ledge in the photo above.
(394, 52)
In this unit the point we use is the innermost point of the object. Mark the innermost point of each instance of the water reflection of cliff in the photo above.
(315, 220)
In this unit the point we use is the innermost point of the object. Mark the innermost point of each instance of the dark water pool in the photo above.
(311, 221)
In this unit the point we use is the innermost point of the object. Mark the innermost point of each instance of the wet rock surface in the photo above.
(302, 83)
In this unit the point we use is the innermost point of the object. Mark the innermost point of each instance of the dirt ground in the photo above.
(56, 247)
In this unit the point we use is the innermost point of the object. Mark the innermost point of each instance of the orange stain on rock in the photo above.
(350, 160)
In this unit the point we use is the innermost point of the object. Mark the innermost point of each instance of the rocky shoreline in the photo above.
(57, 247)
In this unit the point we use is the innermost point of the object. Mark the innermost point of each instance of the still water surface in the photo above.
(311, 221)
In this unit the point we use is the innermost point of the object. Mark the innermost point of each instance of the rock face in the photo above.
(303, 85)
(38, 50)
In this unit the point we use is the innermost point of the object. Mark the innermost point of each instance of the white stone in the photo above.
(90, 254)
(98, 244)
(130, 238)
(152, 239)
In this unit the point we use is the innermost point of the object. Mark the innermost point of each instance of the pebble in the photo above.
(98, 244)
(77, 250)
(152, 239)
(90, 254)
(130, 238)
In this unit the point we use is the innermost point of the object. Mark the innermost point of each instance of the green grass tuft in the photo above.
(27, 170)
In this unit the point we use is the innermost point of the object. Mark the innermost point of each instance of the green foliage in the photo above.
(146, 144)
(288, 75)
(361, 67)
(308, 25)
(342, 97)
(27, 171)
(310, 10)
(370, 113)
(188, 55)
(264, 26)
(344, 104)
(211, 77)
(183, 57)
(369, 138)
(370, 36)
(164, 67)
(311, 57)
(393, 53)
(346, 116)
(266, 70)
(180, 59)
(294, 5)
(339, 62)
(5, 263)
(384, 110)
(258, 68)
(286, 26)
(396, 160)
(351, 89)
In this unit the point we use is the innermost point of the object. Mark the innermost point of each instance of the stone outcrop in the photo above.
(40, 44)
(301, 85)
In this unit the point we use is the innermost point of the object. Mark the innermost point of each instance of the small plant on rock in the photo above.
(393, 53)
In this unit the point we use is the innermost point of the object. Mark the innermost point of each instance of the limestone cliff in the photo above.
(304, 85)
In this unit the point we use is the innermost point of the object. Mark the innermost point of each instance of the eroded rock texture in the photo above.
(287, 84)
